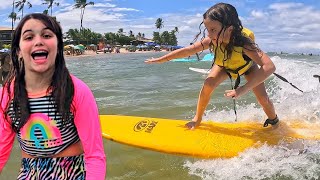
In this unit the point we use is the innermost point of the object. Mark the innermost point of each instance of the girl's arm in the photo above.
(89, 130)
(266, 67)
(6, 135)
(183, 52)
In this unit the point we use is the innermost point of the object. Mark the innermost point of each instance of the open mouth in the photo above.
(39, 55)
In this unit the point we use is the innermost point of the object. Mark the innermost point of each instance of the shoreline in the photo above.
(89, 53)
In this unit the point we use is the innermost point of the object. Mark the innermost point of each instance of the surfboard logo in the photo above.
(145, 125)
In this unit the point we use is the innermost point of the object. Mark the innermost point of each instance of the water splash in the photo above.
(265, 162)
(299, 160)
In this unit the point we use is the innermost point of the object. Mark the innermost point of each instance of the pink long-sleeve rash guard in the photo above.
(86, 119)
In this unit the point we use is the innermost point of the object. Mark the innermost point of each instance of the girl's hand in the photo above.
(235, 93)
(154, 60)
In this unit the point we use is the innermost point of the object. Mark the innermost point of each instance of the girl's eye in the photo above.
(47, 36)
(28, 38)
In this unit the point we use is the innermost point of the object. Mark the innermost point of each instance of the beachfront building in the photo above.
(5, 36)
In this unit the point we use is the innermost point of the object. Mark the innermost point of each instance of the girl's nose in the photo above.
(38, 41)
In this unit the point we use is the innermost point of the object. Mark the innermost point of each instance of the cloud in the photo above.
(96, 19)
(104, 5)
(308, 45)
(5, 5)
(36, 2)
(289, 26)
(124, 9)
(257, 14)
(283, 6)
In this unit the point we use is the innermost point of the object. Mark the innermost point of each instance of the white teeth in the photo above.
(40, 52)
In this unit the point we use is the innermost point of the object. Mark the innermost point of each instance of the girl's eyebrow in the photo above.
(29, 30)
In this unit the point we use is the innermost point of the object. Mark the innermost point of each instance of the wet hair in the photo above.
(61, 86)
(227, 15)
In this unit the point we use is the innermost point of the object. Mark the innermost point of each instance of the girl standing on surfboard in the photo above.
(53, 113)
(235, 54)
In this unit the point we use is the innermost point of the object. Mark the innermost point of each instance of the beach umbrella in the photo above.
(5, 50)
(70, 45)
(76, 48)
(67, 47)
(81, 46)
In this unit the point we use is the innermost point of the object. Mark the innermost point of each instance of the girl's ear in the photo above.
(19, 54)
(230, 29)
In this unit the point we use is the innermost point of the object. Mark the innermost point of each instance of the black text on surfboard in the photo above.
(145, 125)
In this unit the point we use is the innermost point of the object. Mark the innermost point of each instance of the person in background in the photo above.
(235, 54)
(53, 113)
(5, 65)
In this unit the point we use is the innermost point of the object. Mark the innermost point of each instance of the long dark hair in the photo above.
(227, 15)
(61, 87)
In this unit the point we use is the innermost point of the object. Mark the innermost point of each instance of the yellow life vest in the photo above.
(236, 65)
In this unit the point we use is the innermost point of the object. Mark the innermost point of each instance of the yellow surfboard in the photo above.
(209, 140)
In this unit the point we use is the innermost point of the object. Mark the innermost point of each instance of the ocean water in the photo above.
(124, 84)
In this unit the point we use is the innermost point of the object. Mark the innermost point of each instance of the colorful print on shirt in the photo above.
(41, 128)
(44, 134)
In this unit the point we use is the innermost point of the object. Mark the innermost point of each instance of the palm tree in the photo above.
(12, 22)
(120, 32)
(45, 12)
(176, 29)
(159, 24)
(13, 16)
(139, 35)
(131, 33)
(20, 5)
(50, 3)
(81, 4)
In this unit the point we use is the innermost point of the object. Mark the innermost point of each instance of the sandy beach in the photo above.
(88, 53)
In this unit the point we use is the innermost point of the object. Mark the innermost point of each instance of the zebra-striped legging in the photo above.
(61, 168)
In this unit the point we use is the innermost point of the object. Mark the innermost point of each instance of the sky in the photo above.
(289, 26)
